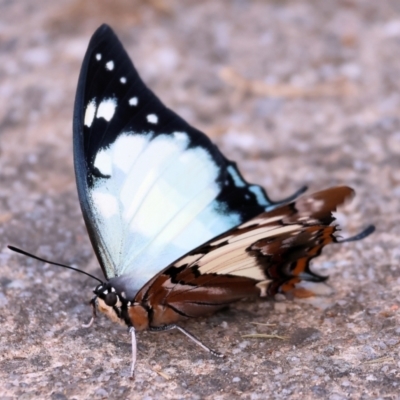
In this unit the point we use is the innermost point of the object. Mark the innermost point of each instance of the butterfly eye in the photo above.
(111, 299)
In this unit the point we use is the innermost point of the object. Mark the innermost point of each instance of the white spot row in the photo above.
(90, 113)
(105, 110)
(133, 101)
(107, 107)
(152, 118)
(110, 65)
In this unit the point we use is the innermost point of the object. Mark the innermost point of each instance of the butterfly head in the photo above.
(108, 294)
(110, 302)
(115, 305)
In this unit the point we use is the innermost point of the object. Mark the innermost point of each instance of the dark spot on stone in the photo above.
(58, 396)
(41, 361)
(304, 335)
(4, 282)
(329, 350)
(269, 364)
(319, 391)
(389, 323)
(13, 365)
(338, 368)
(21, 318)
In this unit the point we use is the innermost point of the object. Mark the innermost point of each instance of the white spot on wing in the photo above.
(106, 109)
(98, 56)
(152, 118)
(103, 162)
(110, 65)
(90, 113)
(133, 101)
(105, 204)
(122, 79)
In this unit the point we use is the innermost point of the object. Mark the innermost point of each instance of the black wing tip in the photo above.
(103, 33)
(103, 29)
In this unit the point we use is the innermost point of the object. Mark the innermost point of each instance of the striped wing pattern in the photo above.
(266, 255)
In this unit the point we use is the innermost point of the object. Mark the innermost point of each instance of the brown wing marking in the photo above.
(273, 251)
(170, 298)
(231, 253)
(294, 265)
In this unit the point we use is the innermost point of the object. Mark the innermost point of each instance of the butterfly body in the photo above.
(155, 306)
(177, 230)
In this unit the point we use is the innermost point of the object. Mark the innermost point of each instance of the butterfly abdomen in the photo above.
(138, 317)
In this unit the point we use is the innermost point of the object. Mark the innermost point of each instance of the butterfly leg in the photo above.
(134, 347)
(189, 335)
(132, 331)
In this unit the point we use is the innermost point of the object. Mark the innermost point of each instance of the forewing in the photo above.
(151, 187)
(267, 254)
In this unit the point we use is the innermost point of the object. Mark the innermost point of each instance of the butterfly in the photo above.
(177, 230)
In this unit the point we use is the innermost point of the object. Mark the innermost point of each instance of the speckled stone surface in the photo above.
(298, 92)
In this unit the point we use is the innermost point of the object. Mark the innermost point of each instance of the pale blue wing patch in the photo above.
(156, 202)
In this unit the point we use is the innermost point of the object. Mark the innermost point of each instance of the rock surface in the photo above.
(298, 92)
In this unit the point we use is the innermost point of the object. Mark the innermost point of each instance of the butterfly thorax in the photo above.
(118, 308)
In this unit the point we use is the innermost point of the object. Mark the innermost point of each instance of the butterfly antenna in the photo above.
(17, 250)
(363, 234)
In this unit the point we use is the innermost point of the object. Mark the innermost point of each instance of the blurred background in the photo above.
(298, 92)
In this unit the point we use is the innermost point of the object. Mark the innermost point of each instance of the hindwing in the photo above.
(266, 255)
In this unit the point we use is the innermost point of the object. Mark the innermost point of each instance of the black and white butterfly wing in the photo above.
(151, 186)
